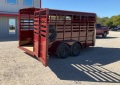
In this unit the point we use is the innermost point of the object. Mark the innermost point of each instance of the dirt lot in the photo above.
(99, 65)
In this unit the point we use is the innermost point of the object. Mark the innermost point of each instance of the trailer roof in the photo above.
(57, 11)
(29, 9)
(68, 12)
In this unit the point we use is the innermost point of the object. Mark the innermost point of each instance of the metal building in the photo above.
(9, 15)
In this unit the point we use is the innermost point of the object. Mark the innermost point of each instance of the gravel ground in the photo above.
(99, 65)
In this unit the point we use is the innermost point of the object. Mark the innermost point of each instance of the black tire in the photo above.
(75, 49)
(104, 35)
(63, 51)
(52, 34)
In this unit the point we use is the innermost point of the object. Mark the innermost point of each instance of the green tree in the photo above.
(108, 22)
(102, 21)
(116, 20)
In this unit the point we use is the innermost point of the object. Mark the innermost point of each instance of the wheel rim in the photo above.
(63, 51)
(105, 34)
(75, 49)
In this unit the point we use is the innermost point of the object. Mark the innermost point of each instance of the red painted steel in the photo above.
(40, 37)
(8, 15)
(71, 27)
(26, 26)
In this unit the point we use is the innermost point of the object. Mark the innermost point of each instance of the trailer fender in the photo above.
(54, 46)
(82, 47)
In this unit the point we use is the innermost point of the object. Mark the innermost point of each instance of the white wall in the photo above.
(4, 6)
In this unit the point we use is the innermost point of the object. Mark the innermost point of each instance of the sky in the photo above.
(12, 22)
(103, 8)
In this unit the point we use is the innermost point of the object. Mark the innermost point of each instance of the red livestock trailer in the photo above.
(43, 31)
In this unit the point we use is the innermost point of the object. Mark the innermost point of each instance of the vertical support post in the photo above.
(64, 27)
(56, 20)
(29, 22)
(39, 17)
(47, 31)
(71, 26)
(94, 31)
(86, 20)
(19, 21)
(79, 28)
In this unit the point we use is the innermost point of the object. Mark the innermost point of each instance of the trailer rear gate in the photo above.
(70, 26)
